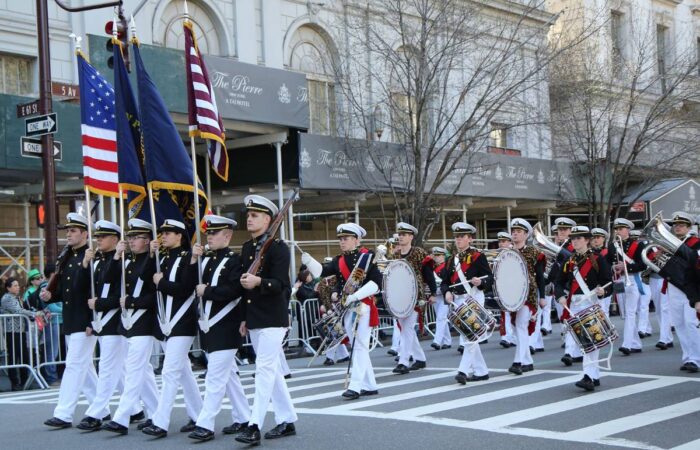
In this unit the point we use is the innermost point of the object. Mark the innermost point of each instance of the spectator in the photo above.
(15, 333)
(31, 300)
(51, 337)
(304, 286)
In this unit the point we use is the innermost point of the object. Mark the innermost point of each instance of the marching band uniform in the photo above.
(139, 327)
(74, 290)
(506, 324)
(266, 313)
(546, 310)
(643, 325)
(113, 344)
(179, 325)
(593, 270)
(442, 339)
(603, 252)
(467, 264)
(409, 345)
(631, 252)
(524, 326)
(326, 287)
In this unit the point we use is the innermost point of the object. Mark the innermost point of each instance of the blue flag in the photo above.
(168, 166)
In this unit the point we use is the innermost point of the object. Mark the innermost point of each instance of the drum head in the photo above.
(511, 281)
(400, 288)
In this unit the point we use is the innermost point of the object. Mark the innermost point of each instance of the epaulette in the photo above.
(183, 253)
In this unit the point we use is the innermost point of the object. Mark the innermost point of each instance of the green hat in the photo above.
(34, 273)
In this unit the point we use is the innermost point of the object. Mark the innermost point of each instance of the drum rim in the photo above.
(497, 297)
(387, 301)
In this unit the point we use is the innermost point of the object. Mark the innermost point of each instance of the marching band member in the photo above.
(506, 326)
(546, 312)
(524, 323)
(138, 324)
(220, 290)
(73, 290)
(442, 339)
(583, 276)
(599, 237)
(643, 325)
(629, 255)
(326, 288)
(463, 279)
(113, 344)
(266, 318)
(561, 230)
(416, 257)
(178, 322)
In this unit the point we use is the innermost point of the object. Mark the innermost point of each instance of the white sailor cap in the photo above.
(580, 231)
(216, 223)
(553, 228)
(138, 226)
(682, 217)
(327, 259)
(459, 228)
(75, 220)
(522, 224)
(260, 203)
(564, 222)
(172, 225)
(438, 251)
(107, 228)
(504, 235)
(623, 223)
(636, 233)
(350, 229)
(403, 227)
(692, 233)
(599, 232)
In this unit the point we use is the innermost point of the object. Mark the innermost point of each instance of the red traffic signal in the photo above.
(121, 29)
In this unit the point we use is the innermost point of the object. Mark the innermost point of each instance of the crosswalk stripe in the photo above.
(692, 445)
(514, 417)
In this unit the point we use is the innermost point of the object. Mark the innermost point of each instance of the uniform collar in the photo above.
(352, 252)
(174, 251)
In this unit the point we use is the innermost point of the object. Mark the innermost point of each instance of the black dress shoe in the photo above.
(527, 368)
(146, 423)
(203, 375)
(155, 431)
(235, 428)
(596, 382)
(625, 351)
(661, 345)
(282, 430)
(189, 426)
(328, 362)
(461, 378)
(544, 332)
(641, 335)
(138, 417)
(201, 434)
(512, 344)
(417, 365)
(577, 359)
(341, 360)
(348, 395)
(635, 350)
(484, 342)
(532, 350)
(249, 435)
(516, 368)
(392, 353)
(435, 346)
(114, 427)
(445, 346)
(683, 367)
(567, 360)
(89, 424)
(288, 376)
(365, 393)
(504, 343)
(539, 350)
(460, 349)
(691, 367)
(396, 359)
(401, 369)
(58, 423)
(477, 378)
(669, 345)
(586, 383)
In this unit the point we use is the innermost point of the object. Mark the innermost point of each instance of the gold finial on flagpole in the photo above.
(76, 41)
(132, 27)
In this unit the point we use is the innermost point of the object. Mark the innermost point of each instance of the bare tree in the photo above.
(625, 112)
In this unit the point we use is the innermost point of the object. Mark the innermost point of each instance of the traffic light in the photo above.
(121, 34)
(40, 215)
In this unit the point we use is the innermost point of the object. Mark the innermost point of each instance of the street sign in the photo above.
(36, 126)
(31, 148)
(65, 90)
(28, 109)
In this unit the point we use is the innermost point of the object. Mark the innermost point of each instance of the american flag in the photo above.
(204, 118)
(98, 129)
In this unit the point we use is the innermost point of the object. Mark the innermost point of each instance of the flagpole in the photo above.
(125, 319)
(92, 266)
(159, 296)
(197, 220)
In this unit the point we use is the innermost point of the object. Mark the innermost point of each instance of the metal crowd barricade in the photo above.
(429, 318)
(49, 352)
(310, 314)
(17, 333)
(296, 324)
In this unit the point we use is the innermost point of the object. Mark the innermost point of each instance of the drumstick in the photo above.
(592, 293)
(460, 284)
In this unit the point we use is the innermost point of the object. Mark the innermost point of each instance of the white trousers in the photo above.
(509, 337)
(472, 361)
(79, 376)
(643, 324)
(546, 321)
(685, 320)
(522, 351)
(220, 372)
(442, 326)
(240, 409)
(284, 367)
(410, 346)
(269, 380)
(362, 372)
(631, 301)
(177, 372)
(535, 338)
(396, 337)
(340, 351)
(590, 360)
(139, 381)
(663, 309)
(605, 305)
(112, 356)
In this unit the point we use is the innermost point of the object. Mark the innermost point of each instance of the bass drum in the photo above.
(511, 282)
(400, 288)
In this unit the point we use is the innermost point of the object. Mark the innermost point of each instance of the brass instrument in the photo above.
(542, 242)
(661, 239)
(620, 256)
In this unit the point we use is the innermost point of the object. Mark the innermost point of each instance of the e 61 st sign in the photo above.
(37, 126)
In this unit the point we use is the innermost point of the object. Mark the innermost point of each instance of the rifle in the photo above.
(272, 232)
(52, 285)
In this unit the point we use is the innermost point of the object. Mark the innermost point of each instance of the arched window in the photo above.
(205, 29)
(403, 70)
(310, 53)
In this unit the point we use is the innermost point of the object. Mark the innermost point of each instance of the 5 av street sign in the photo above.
(37, 126)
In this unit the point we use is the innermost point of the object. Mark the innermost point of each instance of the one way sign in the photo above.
(36, 126)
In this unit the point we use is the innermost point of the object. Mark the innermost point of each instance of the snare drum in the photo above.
(591, 329)
(400, 288)
(471, 320)
(330, 327)
(511, 283)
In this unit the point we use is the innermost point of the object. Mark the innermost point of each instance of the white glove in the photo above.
(352, 298)
(314, 266)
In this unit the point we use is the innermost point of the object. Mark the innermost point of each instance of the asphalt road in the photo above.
(645, 401)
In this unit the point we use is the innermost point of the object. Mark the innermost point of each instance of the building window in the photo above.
(205, 30)
(15, 75)
(322, 107)
(499, 135)
(661, 46)
(616, 40)
(259, 31)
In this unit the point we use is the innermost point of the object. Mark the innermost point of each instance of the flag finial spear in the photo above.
(132, 24)
(186, 15)
(76, 41)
